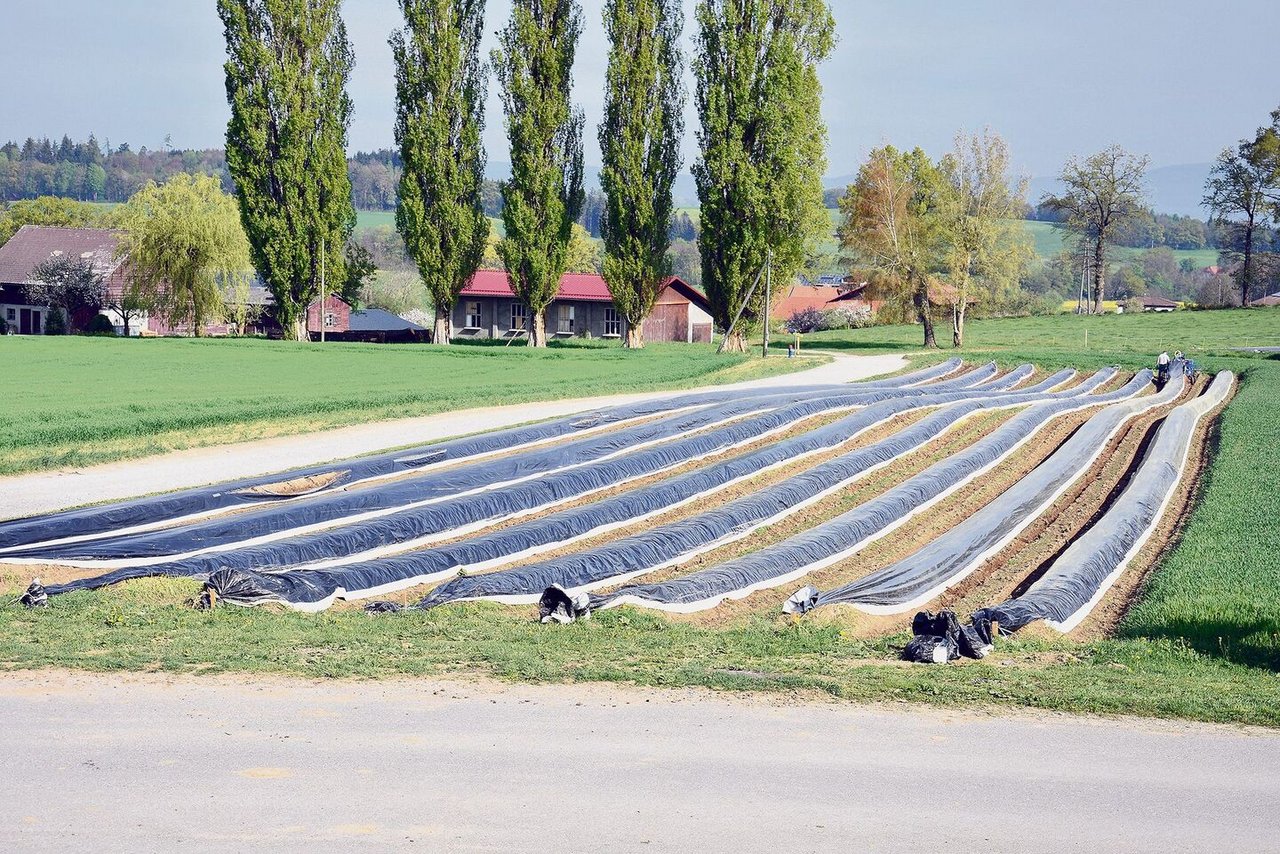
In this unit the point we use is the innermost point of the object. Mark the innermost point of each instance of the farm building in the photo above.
(341, 322)
(31, 246)
(801, 296)
(1155, 302)
(1269, 301)
(487, 308)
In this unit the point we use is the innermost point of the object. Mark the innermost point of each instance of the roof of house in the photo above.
(32, 245)
(377, 320)
(583, 287)
(587, 287)
(799, 297)
(1268, 300)
(1155, 300)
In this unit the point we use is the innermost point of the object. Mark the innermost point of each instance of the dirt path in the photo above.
(43, 492)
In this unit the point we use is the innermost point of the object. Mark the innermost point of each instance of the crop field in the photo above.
(1004, 486)
(76, 401)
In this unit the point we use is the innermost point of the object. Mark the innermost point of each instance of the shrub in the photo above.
(846, 317)
(100, 325)
(1133, 305)
(55, 322)
(805, 320)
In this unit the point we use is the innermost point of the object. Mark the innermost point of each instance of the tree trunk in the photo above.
(735, 342)
(537, 329)
(635, 337)
(957, 324)
(1099, 276)
(299, 330)
(444, 326)
(921, 299)
(1246, 267)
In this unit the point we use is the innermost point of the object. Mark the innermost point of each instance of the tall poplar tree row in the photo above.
(640, 143)
(763, 144)
(542, 199)
(440, 95)
(288, 62)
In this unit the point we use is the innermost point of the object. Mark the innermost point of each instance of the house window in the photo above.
(612, 323)
(330, 319)
(519, 316)
(564, 320)
(11, 314)
(473, 315)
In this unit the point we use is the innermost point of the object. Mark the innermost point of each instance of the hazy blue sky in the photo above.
(1176, 80)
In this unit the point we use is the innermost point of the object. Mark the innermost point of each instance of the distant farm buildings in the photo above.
(583, 307)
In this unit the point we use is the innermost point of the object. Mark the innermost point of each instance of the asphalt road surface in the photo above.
(144, 763)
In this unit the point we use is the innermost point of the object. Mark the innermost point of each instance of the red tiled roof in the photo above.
(32, 245)
(800, 297)
(587, 287)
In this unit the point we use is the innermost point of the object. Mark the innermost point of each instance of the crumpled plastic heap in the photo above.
(156, 510)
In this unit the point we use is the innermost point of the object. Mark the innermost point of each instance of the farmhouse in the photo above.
(583, 306)
(1268, 301)
(31, 246)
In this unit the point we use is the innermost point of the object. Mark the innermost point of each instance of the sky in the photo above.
(1175, 80)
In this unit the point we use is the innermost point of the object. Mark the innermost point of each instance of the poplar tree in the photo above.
(288, 63)
(763, 145)
(640, 143)
(440, 95)
(541, 201)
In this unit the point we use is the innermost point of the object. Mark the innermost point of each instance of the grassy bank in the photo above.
(1203, 644)
(76, 401)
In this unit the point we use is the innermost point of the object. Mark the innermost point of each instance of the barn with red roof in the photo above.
(583, 307)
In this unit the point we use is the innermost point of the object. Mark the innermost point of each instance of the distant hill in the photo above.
(1170, 189)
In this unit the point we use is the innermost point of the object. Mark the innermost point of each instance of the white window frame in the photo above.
(519, 317)
(612, 323)
(330, 320)
(565, 317)
(472, 312)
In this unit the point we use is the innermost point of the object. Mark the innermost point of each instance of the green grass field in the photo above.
(1204, 644)
(75, 401)
(374, 219)
(1049, 238)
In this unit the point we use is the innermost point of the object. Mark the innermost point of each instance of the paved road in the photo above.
(154, 763)
(43, 492)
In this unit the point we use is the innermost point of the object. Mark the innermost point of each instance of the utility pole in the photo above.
(768, 293)
(322, 323)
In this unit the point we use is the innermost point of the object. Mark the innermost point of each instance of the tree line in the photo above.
(761, 140)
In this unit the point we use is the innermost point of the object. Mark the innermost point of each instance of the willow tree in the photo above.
(987, 247)
(542, 199)
(440, 95)
(288, 63)
(1102, 193)
(184, 249)
(640, 143)
(762, 145)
